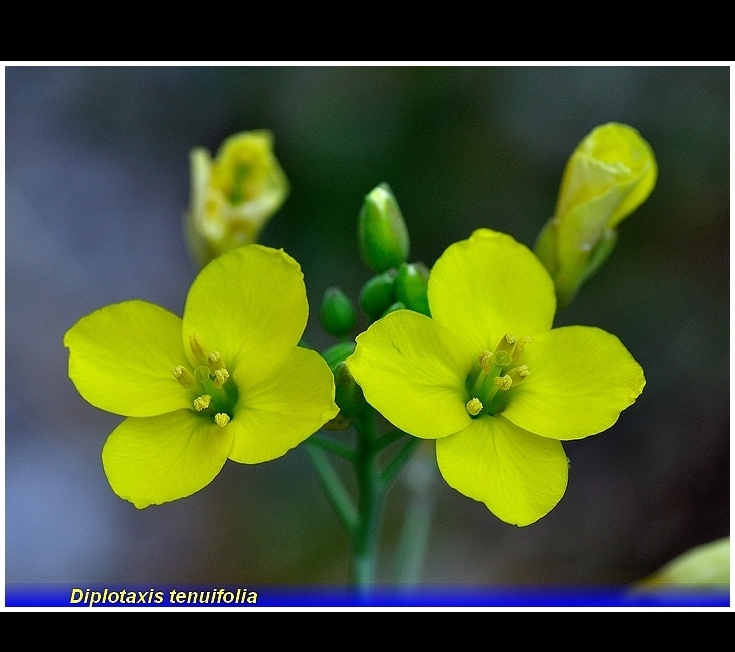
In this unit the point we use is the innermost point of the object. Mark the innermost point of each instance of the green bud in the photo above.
(381, 231)
(338, 353)
(398, 305)
(378, 293)
(412, 286)
(610, 173)
(348, 395)
(338, 315)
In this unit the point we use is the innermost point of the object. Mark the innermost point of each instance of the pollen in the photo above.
(486, 361)
(214, 360)
(504, 382)
(221, 419)
(202, 402)
(220, 377)
(474, 406)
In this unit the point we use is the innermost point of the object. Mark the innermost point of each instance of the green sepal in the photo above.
(378, 293)
(337, 314)
(412, 287)
(567, 287)
(348, 395)
(381, 230)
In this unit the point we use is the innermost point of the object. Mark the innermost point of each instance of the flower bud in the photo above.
(610, 173)
(338, 353)
(412, 286)
(382, 233)
(378, 293)
(233, 195)
(338, 315)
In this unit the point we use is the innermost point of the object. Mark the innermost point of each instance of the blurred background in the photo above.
(97, 181)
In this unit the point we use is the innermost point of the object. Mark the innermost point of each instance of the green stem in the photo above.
(370, 504)
(399, 461)
(421, 479)
(333, 446)
(335, 490)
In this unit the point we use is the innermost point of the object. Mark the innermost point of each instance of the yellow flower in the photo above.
(610, 173)
(226, 381)
(491, 381)
(234, 195)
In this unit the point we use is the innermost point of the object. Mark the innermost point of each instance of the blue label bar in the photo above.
(101, 596)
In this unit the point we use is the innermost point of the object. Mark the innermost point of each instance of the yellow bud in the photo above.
(234, 194)
(610, 173)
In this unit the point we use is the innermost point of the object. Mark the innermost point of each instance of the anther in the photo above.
(202, 402)
(220, 377)
(474, 406)
(517, 374)
(486, 361)
(184, 376)
(504, 382)
(214, 360)
(221, 419)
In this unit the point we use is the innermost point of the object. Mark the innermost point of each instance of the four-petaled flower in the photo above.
(491, 381)
(226, 381)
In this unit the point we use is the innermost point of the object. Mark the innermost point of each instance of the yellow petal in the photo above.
(121, 358)
(279, 407)
(487, 286)
(413, 372)
(520, 477)
(154, 460)
(581, 379)
(248, 299)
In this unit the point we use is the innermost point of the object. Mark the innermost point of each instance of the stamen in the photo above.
(214, 360)
(474, 406)
(220, 377)
(202, 402)
(486, 361)
(517, 374)
(504, 350)
(504, 382)
(197, 347)
(221, 419)
(184, 376)
(520, 346)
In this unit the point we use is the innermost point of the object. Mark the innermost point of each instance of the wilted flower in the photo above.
(234, 194)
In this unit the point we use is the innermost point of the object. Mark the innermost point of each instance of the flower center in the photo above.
(495, 374)
(214, 395)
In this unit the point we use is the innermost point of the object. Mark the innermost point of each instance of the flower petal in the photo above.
(581, 379)
(121, 358)
(247, 299)
(154, 460)
(490, 285)
(413, 371)
(279, 408)
(519, 476)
